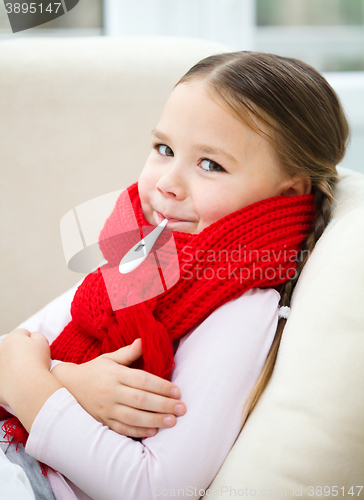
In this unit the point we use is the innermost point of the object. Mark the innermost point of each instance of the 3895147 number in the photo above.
(32, 8)
(334, 491)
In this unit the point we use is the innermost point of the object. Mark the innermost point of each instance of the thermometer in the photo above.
(139, 252)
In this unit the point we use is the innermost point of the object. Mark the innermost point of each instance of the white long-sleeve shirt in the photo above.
(216, 366)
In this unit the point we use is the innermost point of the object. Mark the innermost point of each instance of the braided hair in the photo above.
(307, 127)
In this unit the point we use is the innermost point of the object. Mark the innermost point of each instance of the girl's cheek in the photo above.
(146, 186)
(143, 187)
(209, 211)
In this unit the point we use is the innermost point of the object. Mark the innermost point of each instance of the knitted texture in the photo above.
(255, 246)
(13, 429)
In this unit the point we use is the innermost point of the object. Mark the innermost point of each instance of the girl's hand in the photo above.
(25, 381)
(131, 402)
(20, 353)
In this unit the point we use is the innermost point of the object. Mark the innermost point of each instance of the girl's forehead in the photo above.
(197, 99)
(195, 108)
(192, 104)
(191, 91)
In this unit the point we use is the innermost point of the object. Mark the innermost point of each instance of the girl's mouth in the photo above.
(170, 221)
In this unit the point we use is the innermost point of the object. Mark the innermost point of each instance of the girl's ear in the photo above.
(297, 185)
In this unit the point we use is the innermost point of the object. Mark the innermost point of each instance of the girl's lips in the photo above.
(170, 221)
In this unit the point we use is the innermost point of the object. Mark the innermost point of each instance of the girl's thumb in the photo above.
(127, 355)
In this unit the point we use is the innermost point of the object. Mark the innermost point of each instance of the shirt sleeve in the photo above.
(52, 319)
(217, 365)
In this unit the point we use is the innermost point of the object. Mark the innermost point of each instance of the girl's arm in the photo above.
(216, 367)
(129, 401)
(120, 410)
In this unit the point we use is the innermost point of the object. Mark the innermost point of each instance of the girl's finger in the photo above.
(139, 379)
(142, 419)
(142, 400)
(38, 336)
(129, 430)
(20, 331)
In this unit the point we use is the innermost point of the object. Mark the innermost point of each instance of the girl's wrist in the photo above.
(66, 374)
(35, 390)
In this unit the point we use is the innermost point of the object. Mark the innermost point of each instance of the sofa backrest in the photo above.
(75, 123)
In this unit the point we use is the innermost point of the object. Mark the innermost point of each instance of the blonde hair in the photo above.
(307, 127)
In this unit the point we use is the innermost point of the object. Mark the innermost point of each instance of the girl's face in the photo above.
(205, 164)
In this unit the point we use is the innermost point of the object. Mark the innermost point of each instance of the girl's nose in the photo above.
(172, 184)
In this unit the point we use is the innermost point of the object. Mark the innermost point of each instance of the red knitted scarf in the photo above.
(255, 246)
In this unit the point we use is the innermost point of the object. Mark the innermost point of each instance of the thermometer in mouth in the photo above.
(140, 251)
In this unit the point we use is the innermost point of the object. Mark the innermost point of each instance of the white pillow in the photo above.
(14, 484)
(307, 431)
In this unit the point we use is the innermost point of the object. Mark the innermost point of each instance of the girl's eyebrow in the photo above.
(202, 147)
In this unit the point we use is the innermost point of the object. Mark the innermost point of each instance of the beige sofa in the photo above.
(75, 120)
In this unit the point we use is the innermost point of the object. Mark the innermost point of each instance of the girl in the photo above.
(243, 165)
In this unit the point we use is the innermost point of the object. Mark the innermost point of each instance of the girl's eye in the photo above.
(215, 166)
(163, 149)
(210, 166)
